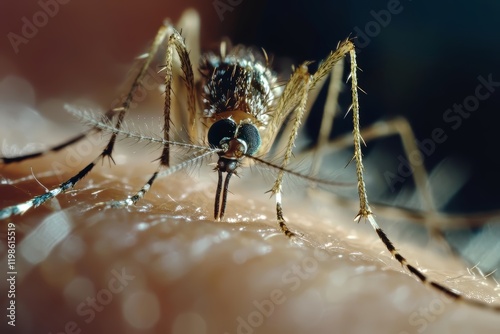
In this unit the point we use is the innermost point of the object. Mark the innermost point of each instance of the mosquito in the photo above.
(243, 108)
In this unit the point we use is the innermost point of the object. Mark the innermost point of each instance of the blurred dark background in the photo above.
(418, 61)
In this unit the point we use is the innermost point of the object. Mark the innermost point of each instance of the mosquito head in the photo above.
(236, 141)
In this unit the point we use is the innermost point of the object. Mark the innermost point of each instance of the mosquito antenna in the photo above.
(300, 175)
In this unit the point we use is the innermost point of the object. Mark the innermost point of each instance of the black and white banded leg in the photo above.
(119, 113)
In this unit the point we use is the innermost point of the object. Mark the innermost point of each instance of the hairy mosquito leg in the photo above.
(176, 42)
(365, 212)
(422, 277)
(190, 23)
(281, 219)
(186, 117)
(8, 160)
(160, 36)
(159, 173)
(299, 84)
(110, 114)
(39, 200)
(344, 48)
(364, 208)
(294, 97)
(400, 127)
(281, 142)
(329, 112)
(397, 126)
(135, 198)
(107, 152)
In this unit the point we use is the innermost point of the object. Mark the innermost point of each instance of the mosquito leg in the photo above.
(175, 42)
(294, 98)
(299, 85)
(344, 48)
(424, 278)
(190, 24)
(162, 32)
(70, 183)
(110, 114)
(160, 172)
(430, 217)
(329, 112)
(397, 126)
(186, 117)
(364, 208)
(279, 145)
(140, 194)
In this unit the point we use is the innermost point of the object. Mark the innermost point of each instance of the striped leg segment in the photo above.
(422, 277)
(175, 43)
(294, 99)
(108, 150)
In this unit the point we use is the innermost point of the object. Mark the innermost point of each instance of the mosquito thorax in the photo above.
(238, 84)
(238, 91)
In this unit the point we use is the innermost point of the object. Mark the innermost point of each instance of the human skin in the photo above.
(186, 273)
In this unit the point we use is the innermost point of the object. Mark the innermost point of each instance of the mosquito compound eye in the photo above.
(249, 134)
(224, 128)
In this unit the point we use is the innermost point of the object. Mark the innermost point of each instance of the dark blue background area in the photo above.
(425, 60)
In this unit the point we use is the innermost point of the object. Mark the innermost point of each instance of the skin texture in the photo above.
(181, 271)
(186, 273)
